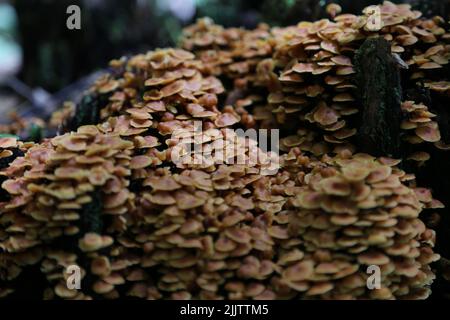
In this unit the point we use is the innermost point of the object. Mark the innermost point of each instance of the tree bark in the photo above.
(380, 93)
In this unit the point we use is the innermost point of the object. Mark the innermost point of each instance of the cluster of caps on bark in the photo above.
(49, 188)
(421, 127)
(112, 199)
(355, 212)
(233, 52)
(161, 90)
(307, 231)
(211, 235)
(127, 158)
(183, 225)
(7, 145)
(243, 56)
(308, 71)
(317, 64)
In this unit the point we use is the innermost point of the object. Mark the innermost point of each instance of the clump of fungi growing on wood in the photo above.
(361, 108)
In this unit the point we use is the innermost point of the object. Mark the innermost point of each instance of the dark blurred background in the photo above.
(43, 63)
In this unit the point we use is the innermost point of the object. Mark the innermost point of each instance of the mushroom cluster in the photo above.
(306, 71)
(54, 190)
(229, 233)
(242, 57)
(72, 203)
(356, 212)
(154, 195)
(234, 53)
(420, 125)
(316, 61)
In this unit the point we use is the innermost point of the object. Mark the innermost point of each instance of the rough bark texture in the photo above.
(87, 111)
(380, 93)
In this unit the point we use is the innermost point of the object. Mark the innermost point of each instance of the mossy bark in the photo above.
(380, 93)
(379, 89)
